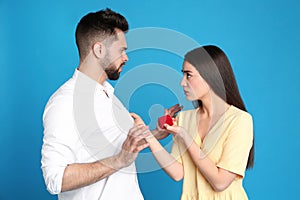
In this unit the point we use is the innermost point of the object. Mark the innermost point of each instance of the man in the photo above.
(89, 145)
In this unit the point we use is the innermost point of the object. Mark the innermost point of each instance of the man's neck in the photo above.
(91, 70)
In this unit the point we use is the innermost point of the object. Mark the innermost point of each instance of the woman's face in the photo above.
(194, 86)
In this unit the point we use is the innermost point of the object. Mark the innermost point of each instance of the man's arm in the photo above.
(79, 175)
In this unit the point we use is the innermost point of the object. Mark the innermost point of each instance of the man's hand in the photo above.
(173, 110)
(137, 119)
(134, 143)
(78, 175)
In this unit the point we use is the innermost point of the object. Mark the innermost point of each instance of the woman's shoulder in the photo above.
(236, 113)
(186, 117)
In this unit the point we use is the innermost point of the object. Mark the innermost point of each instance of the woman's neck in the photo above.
(213, 107)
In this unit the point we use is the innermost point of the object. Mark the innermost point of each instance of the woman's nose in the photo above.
(183, 82)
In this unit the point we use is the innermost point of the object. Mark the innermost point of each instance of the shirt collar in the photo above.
(106, 86)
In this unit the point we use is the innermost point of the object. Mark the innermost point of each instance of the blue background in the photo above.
(261, 38)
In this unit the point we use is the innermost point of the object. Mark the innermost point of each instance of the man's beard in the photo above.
(111, 70)
(112, 73)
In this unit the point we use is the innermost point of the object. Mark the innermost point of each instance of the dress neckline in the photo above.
(221, 118)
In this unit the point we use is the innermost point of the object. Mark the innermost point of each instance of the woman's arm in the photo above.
(167, 162)
(218, 178)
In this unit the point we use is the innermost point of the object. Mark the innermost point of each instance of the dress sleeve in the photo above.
(57, 150)
(175, 151)
(237, 145)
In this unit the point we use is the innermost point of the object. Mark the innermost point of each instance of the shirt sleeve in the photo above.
(237, 145)
(57, 150)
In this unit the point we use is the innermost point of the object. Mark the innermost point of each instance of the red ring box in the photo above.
(165, 120)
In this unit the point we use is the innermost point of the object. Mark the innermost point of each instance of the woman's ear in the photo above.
(99, 50)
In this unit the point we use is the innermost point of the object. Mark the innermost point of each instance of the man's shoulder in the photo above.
(62, 97)
(66, 90)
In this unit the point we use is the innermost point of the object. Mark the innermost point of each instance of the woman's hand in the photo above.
(180, 133)
(161, 133)
(177, 131)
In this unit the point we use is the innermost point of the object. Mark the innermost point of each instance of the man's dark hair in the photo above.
(97, 26)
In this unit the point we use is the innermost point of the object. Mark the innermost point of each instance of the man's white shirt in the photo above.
(84, 122)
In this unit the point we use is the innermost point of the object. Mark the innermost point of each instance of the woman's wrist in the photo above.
(151, 137)
(185, 137)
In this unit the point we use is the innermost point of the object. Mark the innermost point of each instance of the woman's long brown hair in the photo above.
(215, 68)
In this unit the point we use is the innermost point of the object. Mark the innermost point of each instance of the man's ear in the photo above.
(99, 50)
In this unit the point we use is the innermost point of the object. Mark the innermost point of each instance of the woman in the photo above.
(213, 144)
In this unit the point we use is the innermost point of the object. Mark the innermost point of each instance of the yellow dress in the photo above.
(227, 144)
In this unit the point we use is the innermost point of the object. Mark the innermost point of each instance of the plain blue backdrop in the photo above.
(261, 38)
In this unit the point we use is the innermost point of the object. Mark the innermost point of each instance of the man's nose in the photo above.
(125, 57)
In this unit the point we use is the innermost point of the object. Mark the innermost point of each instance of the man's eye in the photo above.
(188, 76)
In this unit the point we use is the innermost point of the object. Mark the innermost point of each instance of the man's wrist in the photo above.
(119, 162)
(156, 133)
